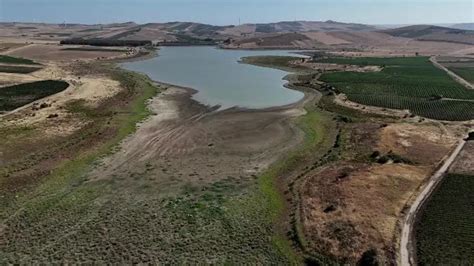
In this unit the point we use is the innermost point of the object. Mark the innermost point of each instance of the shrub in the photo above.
(375, 154)
(369, 258)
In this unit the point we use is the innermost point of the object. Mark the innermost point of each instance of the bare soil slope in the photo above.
(434, 33)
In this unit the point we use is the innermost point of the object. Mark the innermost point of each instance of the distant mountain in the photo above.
(304, 26)
(416, 31)
(285, 34)
(192, 32)
(433, 33)
(463, 26)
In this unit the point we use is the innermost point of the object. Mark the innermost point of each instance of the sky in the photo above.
(225, 12)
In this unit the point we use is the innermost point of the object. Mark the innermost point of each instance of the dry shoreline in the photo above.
(188, 111)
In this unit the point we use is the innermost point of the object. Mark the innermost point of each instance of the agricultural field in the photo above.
(338, 219)
(375, 61)
(466, 73)
(445, 230)
(411, 83)
(16, 96)
(5, 59)
(18, 69)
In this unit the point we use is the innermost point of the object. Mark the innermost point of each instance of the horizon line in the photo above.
(235, 25)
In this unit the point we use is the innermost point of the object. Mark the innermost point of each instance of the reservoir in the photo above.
(218, 76)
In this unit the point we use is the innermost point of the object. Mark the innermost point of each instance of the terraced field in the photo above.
(16, 96)
(445, 230)
(405, 83)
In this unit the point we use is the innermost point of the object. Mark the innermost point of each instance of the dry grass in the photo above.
(54, 52)
(353, 205)
(423, 144)
(346, 216)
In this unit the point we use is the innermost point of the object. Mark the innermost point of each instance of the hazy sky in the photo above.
(228, 11)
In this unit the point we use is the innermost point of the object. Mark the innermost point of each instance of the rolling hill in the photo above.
(433, 33)
(463, 26)
(417, 39)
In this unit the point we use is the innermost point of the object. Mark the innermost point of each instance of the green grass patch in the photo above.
(445, 230)
(405, 83)
(278, 62)
(317, 127)
(16, 96)
(5, 59)
(18, 69)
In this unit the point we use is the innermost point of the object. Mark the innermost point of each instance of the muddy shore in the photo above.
(198, 143)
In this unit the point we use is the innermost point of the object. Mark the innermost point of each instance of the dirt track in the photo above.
(406, 247)
(452, 74)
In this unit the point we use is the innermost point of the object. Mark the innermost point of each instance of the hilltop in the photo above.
(433, 33)
(349, 38)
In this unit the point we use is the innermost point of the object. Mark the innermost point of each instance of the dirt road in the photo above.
(406, 245)
(452, 74)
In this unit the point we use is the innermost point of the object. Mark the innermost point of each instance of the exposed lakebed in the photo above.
(218, 76)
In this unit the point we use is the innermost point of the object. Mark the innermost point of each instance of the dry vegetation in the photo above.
(191, 185)
(341, 38)
(353, 205)
(351, 202)
(183, 182)
(54, 52)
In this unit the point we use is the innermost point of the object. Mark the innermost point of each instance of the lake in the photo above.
(218, 76)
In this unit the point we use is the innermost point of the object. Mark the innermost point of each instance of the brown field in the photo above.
(272, 40)
(5, 46)
(354, 205)
(57, 53)
(352, 43)
(422, 144)
(381, 44)
(341, 38)
(345, 217)
(52, 33)
(325, 38)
